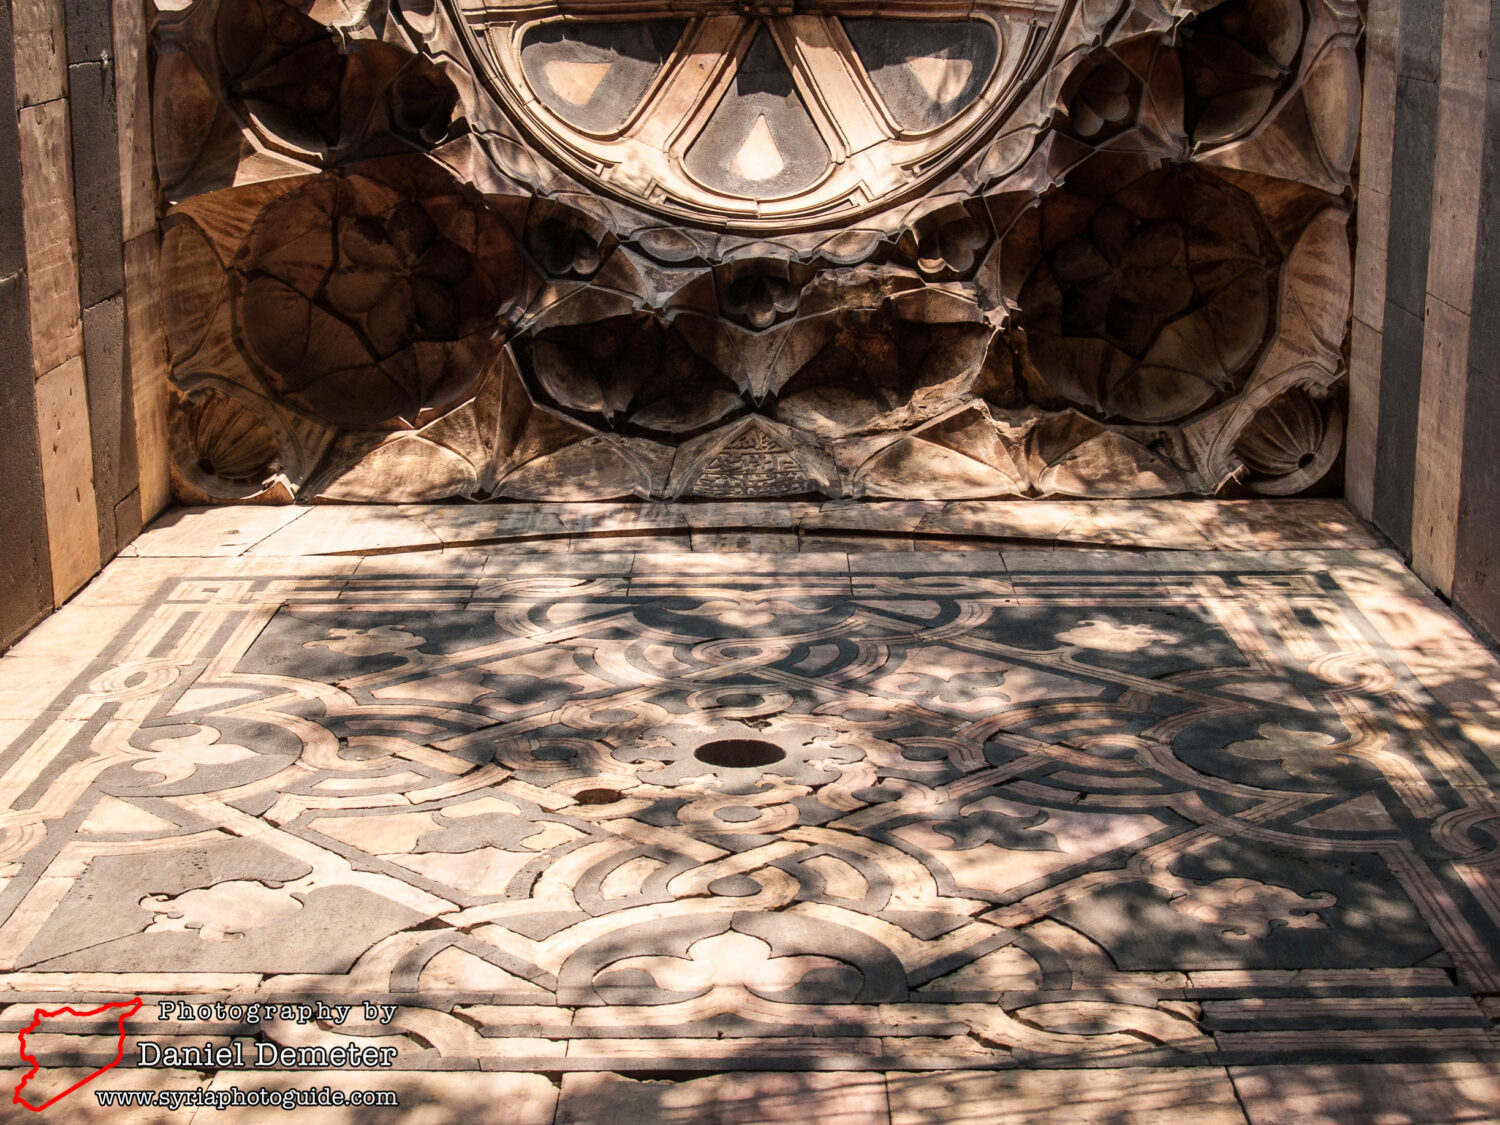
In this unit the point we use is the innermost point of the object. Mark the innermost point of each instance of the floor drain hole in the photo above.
(598, 796)
(739, 753)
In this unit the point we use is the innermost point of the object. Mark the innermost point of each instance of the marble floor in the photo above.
(745, 813)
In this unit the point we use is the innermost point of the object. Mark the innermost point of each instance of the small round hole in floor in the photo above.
(597, 796)
(739, 753)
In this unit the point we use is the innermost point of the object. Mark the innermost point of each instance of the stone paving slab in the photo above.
(419, 1097)
(1202, 1096)
(703, 831)
(1457, 1093)
(768, 526)
(226, 531)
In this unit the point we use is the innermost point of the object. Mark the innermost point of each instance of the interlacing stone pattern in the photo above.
(908, 819)
(575, 249)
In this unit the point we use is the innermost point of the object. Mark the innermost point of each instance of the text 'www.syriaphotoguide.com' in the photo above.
(232, 1097)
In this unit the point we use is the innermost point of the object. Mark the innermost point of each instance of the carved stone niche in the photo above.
(586, 249)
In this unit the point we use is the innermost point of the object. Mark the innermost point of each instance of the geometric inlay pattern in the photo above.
(1004, 818)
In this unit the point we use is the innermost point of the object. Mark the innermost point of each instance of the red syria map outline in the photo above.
(129, 1008)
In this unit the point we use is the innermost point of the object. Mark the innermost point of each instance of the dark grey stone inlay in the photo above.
(1396, 442)
(1415, 154)
(634, 54)
(96, 181)
(1476, 583)
(737, 814)
(761, 142)
(955, 59)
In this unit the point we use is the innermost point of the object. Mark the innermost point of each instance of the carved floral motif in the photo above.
(1242, 909)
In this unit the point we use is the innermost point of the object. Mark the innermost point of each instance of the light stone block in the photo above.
(40, 46)
(67, 478)
(1408, 1094)
(51, 241)
(1438, 481)
(148, 373)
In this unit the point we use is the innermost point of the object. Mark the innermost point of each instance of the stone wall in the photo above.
(82, 366)
(1425, 365)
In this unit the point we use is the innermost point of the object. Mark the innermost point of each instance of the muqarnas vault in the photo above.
(588, 249)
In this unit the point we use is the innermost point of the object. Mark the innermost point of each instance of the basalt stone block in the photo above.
(1421, 51)
(88, 23)
(1396, 443)
(12, 228)
(1411, 193)
(1484, 330)
(111, 414)
(96, 181)
(1476, 579)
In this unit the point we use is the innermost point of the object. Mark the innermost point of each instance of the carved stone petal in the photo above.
(1180, 373)
(759, 363)
(959, 457)
(1333, 93)
(193, 286)
(601, 468)
(760, 141)
(1080, 369)
(407, 469)
(1074, 456)
(564, 380)
(194, 139)
(594, 75)
(1319, 285)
